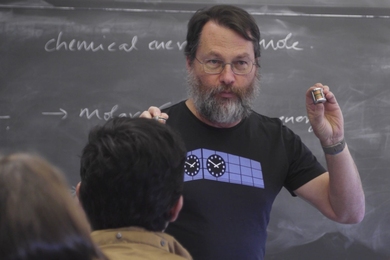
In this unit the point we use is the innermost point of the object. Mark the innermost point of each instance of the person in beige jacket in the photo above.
(132, 172)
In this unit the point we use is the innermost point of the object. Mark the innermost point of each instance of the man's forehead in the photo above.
(218, 55)
(221, 41)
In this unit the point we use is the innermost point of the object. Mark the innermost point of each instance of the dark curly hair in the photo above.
(132, 172)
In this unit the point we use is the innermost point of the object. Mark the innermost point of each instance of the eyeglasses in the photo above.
(239, 67)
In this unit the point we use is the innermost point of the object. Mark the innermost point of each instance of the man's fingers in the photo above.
(155, 113)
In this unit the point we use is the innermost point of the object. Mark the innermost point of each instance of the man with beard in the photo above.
(238, 160)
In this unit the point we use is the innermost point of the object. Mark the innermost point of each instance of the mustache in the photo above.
(198, 91)
(239, 92)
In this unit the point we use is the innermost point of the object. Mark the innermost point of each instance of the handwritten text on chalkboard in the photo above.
(58, 44)
(77, 45)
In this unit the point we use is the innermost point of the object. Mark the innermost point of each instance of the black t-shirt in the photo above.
(232, 178)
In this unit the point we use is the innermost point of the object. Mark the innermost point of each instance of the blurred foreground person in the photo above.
(39, 219)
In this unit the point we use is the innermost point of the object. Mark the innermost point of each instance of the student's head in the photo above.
(132, 172)
(231, 17)
(39, 219)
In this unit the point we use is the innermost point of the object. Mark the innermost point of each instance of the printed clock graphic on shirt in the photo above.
(216, 165)
(212, 165)
(192, 165)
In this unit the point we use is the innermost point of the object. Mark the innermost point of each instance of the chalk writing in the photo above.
(297, 119)
(156, 45)
(57, 44)
(181, 45)
(106, 115)
(281, 44)
(284, 43)
(84, 112)
(292, 119)
(62, 113)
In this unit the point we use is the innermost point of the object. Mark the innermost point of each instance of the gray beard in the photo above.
(222, 110)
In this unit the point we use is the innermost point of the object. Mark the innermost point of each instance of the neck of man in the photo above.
(192, 108)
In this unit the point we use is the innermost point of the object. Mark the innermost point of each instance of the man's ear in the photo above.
(78, 190)
(176, 209)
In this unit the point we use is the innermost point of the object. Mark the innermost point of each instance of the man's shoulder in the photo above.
(177, 106)
(257, 118)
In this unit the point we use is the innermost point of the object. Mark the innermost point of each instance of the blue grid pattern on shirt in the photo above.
(239, 170)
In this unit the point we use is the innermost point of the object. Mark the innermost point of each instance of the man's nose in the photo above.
(227, 75)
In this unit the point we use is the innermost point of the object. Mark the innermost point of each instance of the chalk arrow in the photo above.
(63, 113)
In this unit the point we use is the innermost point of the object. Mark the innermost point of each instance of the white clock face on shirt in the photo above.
(216, 165)
(192, 165)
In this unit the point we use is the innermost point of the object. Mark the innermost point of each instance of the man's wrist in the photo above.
(335, 148)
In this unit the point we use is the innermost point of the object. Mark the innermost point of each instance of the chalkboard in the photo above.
(65, 70)
(131, 3)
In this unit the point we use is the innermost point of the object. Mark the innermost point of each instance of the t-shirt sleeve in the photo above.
(303, 165)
